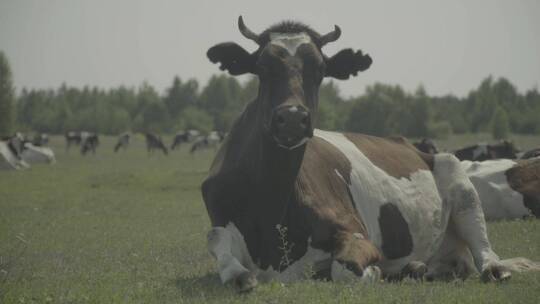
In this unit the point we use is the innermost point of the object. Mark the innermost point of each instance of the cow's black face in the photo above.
(290, 66)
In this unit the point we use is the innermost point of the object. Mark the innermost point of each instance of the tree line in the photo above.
(494, 106)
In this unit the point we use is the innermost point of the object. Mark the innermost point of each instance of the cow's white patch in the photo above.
(293, 109)
(417, 199)
(34, 154)
(289, 41)
(499, 200)
(229, 248)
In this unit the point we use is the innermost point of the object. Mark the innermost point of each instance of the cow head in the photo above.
(290, 65)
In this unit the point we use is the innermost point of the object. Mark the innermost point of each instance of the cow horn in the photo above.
(331, 37)
(247, 32)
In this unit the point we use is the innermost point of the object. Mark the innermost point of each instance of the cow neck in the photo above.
(272, 170)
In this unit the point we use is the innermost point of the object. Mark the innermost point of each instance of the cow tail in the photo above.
(520, 265)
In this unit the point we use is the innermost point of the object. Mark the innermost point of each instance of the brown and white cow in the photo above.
(286, 200)
(508, 189)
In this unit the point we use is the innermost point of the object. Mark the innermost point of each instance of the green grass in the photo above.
(128, 228)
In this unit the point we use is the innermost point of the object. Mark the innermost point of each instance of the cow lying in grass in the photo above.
(508, 189)
(288, 202)
(11, 149)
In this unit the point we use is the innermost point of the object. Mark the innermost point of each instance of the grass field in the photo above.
(129, 228)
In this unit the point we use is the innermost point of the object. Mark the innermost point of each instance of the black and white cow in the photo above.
(508, 189)
(123, 142)
(286, 200)
(72, 138)
(212, 140)
(154, 142)
(89, 142)
(40, 139)
(504, 149)
(11, 149)
(184, 137)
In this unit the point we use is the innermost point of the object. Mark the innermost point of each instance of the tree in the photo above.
(6, 97)
(181, 95)
(499, 124)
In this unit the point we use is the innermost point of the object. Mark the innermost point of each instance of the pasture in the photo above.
(129, 228)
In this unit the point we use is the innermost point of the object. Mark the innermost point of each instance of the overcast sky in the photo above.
(448, 46)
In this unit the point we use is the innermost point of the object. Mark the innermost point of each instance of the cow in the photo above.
(212, 140)
(89, 142)
(483, 151)
(508, 189)
(426, 145)
(154, 142)
(11, 149)
(184, 137)
(72, 138)
(37, 154)
(40, 139)
(123, 142)
(531, 153)
(286, 200)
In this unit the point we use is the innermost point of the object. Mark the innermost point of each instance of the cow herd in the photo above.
(19, 151)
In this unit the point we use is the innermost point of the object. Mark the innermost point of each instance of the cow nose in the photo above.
(291, 125)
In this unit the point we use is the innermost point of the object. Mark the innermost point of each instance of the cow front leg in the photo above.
(228, 247)
(467, 216)
(354, 258)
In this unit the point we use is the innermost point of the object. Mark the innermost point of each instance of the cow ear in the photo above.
(232, 57)
(347, 63)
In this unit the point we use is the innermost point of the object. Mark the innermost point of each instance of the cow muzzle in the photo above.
(291, 126)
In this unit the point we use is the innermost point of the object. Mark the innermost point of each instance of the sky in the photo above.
(447, 46)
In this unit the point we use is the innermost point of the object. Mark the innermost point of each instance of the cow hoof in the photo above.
(372, 274)
(245, 282)
(414, 270)
(495, 273)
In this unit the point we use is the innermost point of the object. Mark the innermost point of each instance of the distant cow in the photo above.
(154, 142)
(531, 153)
(40, 139)
(480, 152)
(426, 145)
(72, 138)
(123, 142)
(184, 137)
(11, 149)
(89, 142)
(508, 189)
(205, 142)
